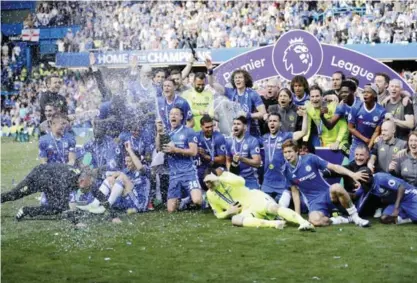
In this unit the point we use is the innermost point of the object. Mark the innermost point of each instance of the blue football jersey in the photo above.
(104, 152)
(302, 101)
(343, 110)
(164, 108)
(56, 150)
(180, 165)
(307, 176)
(274, 180)
(385, 183)
(249, 101)
(247, 147)
(366, 121)
(214, 146)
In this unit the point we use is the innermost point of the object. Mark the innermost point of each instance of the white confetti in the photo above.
(336, 257)
(56, 234)
(128, 243)
(130, 271)
(316, 278)
(107, 258)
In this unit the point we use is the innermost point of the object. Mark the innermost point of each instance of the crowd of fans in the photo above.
(223, 24)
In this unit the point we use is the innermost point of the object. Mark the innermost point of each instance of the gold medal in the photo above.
(271, 166)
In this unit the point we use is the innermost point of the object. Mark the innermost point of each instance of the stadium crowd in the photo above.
(224, 24)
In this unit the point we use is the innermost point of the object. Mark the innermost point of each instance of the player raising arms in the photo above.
(230, 198)
(305, 174)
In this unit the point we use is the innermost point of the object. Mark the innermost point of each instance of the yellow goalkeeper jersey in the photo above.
(199, 102)
(231, 189)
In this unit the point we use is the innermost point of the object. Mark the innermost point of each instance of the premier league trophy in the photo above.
(164, 136)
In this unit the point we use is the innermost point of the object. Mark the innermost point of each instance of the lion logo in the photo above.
(297, 57)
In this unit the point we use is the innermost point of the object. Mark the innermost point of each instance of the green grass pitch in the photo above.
(191, 247)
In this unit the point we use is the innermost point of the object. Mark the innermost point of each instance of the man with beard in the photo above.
(382, 82)
(211, 148)
(337, 79)
(53, 83)
(244, 153)
(200, 101)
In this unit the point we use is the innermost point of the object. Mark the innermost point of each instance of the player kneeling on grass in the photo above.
(127, 190)
(404, 210)
(305, 174)
(230, 198)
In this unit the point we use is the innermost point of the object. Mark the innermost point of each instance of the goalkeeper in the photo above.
(229, 198)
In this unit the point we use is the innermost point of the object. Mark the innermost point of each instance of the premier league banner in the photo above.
(300, 53)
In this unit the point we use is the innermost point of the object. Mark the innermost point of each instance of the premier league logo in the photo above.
(297, 57)
(297, 53)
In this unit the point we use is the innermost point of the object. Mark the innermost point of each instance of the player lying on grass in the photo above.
(305, 174)
(230, 198)
(127, 190)
(404, 210)
(57, 181)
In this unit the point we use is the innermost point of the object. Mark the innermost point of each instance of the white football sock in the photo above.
(339, 220)
(116, 192)
(105, 188)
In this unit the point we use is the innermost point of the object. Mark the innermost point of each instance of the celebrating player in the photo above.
(404, 210)
(304, 173)
(211, 147)
(180, 151)
(230, 198)
(243, 153)
(275, 184)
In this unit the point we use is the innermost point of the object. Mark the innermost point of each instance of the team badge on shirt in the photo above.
(245, 147)
(375, 118)
(391, 183)
(308, 168)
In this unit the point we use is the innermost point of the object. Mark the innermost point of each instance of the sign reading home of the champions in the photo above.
(298, 52)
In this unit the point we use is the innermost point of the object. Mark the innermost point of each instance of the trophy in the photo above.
(164, 136)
